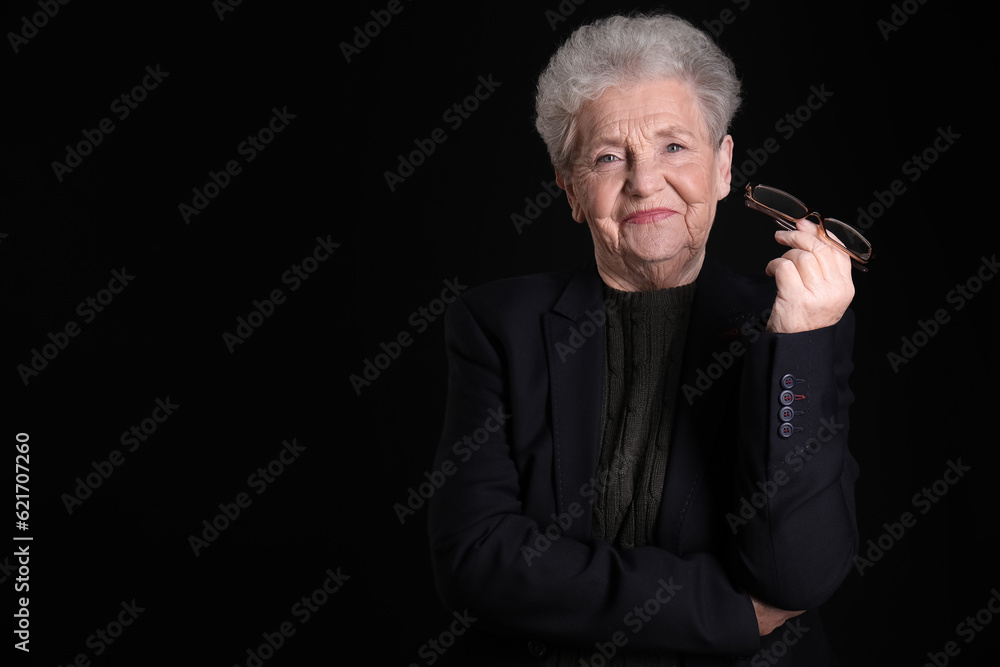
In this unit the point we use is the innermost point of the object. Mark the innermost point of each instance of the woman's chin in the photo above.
(656, 251)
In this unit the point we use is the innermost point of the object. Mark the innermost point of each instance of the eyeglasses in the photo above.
(786, 209)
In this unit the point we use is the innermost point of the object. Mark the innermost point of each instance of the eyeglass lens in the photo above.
(780, 201)
(847, 237)
(837, 231)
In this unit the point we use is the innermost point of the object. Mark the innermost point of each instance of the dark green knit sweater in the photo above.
(645, 344)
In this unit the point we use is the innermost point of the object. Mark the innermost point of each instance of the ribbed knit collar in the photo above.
(650, 303)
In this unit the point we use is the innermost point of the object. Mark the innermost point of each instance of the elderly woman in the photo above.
(640, 471)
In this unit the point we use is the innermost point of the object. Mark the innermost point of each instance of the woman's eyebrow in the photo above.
(675, 131)
(614, 139)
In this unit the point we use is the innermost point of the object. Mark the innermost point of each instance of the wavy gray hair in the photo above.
(620, 51)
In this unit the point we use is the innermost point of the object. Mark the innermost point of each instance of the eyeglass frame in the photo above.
(787, 222)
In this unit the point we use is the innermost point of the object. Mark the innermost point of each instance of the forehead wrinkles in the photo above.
(635, 127)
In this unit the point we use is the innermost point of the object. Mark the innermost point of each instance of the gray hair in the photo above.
(620, 51)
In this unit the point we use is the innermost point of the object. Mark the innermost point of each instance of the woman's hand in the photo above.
(814, 281)
(769, 618)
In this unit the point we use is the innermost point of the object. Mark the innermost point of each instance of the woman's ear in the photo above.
(570, 197)
(724, 163)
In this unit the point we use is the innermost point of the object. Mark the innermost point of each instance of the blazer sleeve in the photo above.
(519, 576)
(794, 517)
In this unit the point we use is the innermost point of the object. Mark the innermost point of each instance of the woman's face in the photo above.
(646, 179)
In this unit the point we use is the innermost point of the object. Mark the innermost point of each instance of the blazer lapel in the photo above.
(575, 344)
(712, 357)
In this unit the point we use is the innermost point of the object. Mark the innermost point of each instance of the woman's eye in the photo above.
(607, 159)
(674, 148)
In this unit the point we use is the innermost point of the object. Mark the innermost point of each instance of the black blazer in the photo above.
(757, 499)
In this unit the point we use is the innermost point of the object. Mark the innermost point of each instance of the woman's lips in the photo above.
(650, 216)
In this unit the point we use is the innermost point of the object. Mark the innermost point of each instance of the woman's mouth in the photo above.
(649, 217)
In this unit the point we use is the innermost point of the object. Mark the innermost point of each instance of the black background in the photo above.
(324, 176)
